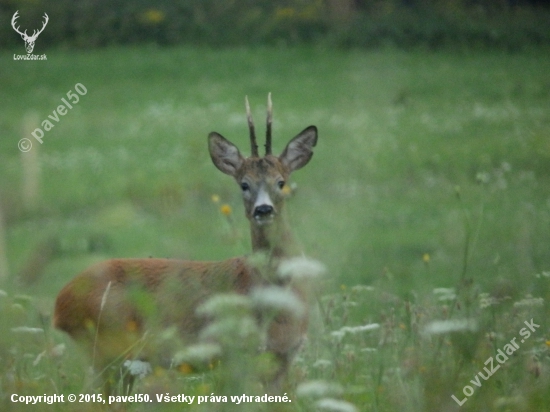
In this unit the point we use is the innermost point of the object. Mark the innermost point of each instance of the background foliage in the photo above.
(433, 24)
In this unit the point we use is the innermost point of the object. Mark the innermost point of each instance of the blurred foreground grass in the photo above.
(432, 171)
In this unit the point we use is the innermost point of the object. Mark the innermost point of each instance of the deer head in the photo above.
(29, 40)
(262, 179)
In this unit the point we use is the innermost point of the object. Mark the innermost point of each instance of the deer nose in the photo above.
(263, 210)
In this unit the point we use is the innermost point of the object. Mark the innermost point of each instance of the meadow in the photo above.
(427, 199)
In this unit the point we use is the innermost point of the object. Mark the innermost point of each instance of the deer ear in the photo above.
(224, 154)
(300, 149)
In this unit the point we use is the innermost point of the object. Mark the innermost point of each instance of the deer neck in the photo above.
(275, 239)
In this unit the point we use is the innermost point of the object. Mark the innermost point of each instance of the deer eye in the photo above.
(245, 186)
(281, 184)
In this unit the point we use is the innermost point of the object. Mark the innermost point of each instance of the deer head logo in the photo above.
(29, 40)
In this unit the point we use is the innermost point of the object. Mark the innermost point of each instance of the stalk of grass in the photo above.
(4, 270)
(103, 302)
(470, 241)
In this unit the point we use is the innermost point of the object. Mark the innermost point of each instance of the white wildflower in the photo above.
(486, 300)
(199, 353)
(335, 405)
(338, 334)
(318, 389)
(445, 326)
(349, 304)
(224, 303)
(483, 177)
(138, 368)
(167, 334)
(438, 291)
(364, 328)
(26, 329)
(300, 268)
(57, 350)
(322, 363)
(445, 294)
(258, 260)
(278, 299)
(529, 301)
(357, 329)
(230, 328)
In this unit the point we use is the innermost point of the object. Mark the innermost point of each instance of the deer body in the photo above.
(106, 299)
(100, 309)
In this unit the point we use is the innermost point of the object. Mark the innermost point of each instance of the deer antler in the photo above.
(13, 21)
(253, 144)
(46, 20)
(24, 34)
(268, 125)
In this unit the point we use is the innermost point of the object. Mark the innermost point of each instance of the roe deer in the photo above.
(99, 307)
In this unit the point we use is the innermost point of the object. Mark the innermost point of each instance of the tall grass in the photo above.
(126, 173)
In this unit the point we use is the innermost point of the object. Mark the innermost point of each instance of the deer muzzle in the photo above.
(263, 208)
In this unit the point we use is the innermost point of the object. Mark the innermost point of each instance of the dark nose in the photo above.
(263, 210)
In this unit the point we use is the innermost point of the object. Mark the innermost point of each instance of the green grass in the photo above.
(417, 153)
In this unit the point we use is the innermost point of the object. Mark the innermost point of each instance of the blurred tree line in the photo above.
(509, 24)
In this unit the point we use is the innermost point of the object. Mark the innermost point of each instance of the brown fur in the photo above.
(175, 288)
